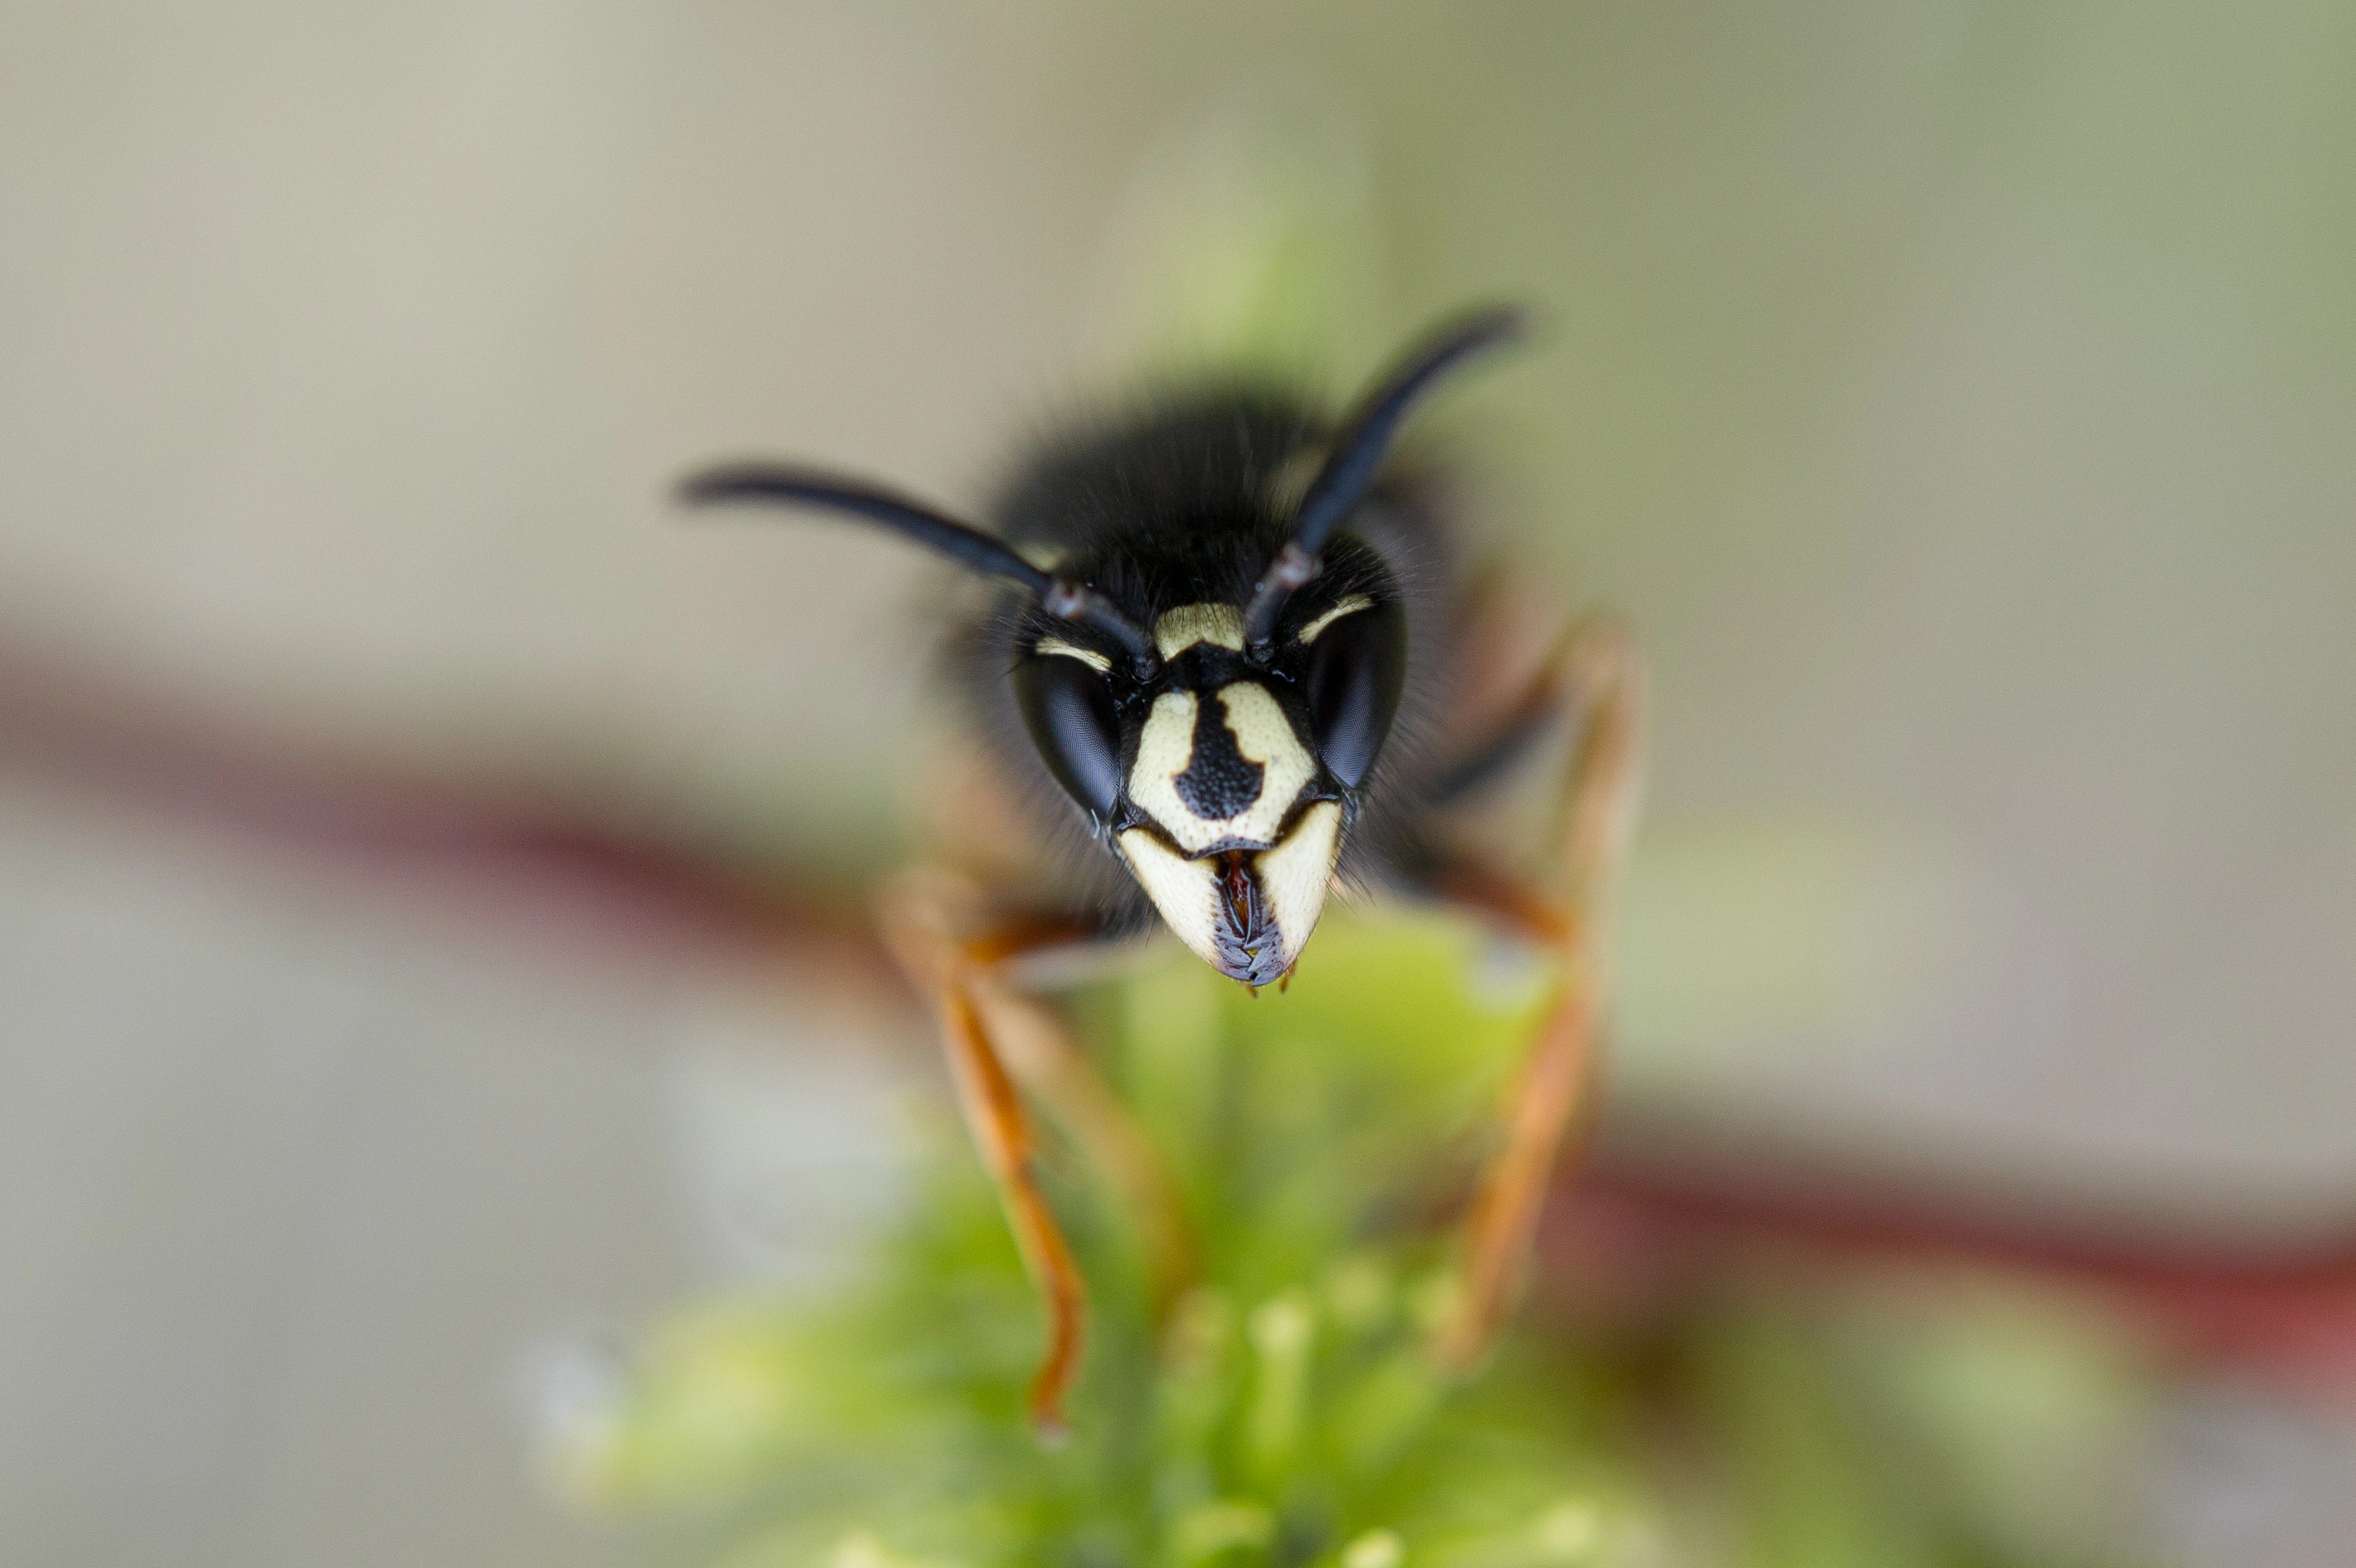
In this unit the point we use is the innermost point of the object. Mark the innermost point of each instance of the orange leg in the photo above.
(1596, 671)
(994, 1113)
(1037, 1043)
(988, 1026)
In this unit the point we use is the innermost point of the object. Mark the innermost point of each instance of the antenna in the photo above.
(1357, 455)
(776, 484)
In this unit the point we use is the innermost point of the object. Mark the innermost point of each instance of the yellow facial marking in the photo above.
(1182, 627)
(1265, 736)
(1042, 554)
(1055, 647)
(1185, 892)
(1348, 606)
(1293, 875)
(1166, 748)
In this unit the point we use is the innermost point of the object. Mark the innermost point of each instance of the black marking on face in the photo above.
(1219, 781)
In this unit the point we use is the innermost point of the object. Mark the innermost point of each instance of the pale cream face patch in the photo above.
(1293, 878)
(1166, 749)
(1293, 875)
(1180, 629)
(1185, 892)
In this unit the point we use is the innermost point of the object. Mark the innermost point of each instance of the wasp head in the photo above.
(1221, 745)
(1224, 776)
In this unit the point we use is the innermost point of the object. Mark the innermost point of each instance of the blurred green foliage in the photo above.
(1285, 1410)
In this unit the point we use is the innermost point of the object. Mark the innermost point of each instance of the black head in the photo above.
(1222, 750)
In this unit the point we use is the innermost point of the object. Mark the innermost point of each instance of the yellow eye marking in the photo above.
(1348, 606)
(1042, 554)
(1182, 627)
(1057, 647)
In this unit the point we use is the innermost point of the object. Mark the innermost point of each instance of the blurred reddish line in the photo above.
(2285, 1310)
(544, 868)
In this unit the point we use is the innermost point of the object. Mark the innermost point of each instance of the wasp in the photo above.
(1222, 671)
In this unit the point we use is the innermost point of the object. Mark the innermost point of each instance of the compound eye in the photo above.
(1068, 709)
(1356, 666)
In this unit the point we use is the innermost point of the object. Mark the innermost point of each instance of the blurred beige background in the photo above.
(1959, 399)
